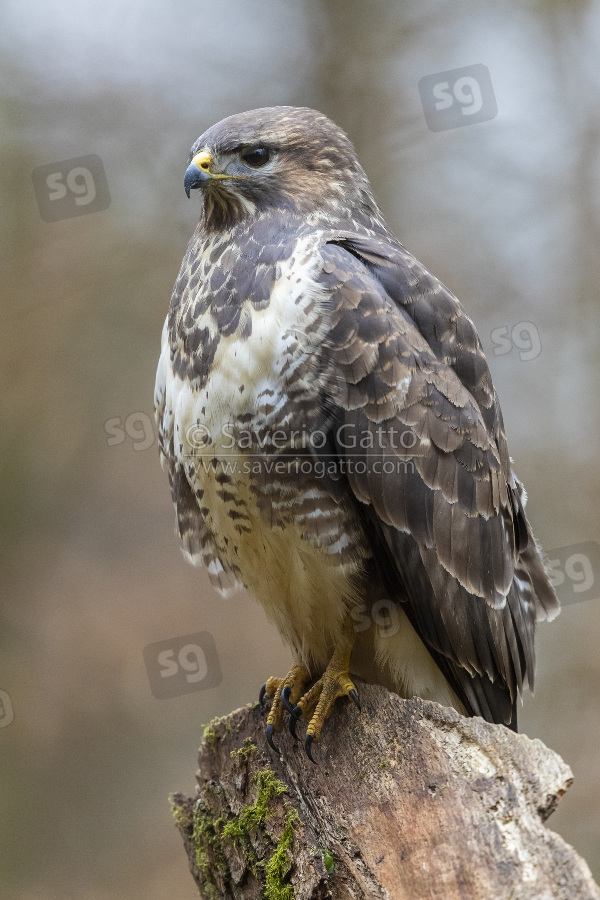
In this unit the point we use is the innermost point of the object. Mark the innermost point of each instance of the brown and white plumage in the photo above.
(296, 313)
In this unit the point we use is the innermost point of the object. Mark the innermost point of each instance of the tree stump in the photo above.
(409, 801)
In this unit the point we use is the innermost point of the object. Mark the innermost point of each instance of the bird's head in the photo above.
(281, 157)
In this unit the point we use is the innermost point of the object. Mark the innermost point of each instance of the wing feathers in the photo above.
(447, 526)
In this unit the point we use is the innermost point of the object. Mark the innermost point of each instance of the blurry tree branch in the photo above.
(410, 801)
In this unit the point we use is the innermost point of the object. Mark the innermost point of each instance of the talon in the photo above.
(284, 693)
(354, 696)
(307, 747)
(317, 704)
(261, 696)
(285, 698)
(270, 741)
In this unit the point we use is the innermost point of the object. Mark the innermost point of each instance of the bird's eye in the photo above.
(255, 156)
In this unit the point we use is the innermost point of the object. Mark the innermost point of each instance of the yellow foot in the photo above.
(335, 682)
(285, 692)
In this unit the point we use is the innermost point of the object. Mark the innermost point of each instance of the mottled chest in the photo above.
(244, 382)
(258, 375)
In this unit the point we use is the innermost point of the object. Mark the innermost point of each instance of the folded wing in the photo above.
(415, 421)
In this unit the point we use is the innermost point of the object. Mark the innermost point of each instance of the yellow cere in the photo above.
(202, 160)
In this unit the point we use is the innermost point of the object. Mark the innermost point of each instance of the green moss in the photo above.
(210, 736)
(208, 834)
(181, 814)
(383, 764)
(245, 750)
(252, 816)
(278, 867)
(206, 840)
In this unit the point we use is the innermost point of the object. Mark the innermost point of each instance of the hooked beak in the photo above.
(198, 171)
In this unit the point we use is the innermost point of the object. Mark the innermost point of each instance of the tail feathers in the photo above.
(547, 606)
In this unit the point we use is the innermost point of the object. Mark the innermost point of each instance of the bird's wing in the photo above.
(412, 413)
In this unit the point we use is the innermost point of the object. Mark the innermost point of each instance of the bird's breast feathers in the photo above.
(241, 437)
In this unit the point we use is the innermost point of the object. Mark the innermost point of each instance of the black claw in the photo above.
(270, 739)
(307, 745)
(285, 698)
(261, 696)
(294, 717)
(354, 696)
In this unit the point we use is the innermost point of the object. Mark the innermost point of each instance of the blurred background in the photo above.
(505, 211)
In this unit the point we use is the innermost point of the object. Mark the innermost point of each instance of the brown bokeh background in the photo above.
(505, 212)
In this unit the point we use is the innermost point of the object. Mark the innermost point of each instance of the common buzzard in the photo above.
(333, 438)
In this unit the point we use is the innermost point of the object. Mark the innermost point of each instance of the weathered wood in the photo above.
(410, 801)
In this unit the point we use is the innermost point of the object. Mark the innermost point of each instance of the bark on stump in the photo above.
(410, 801)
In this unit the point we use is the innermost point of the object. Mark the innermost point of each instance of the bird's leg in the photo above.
(285, 692)
(335, 682)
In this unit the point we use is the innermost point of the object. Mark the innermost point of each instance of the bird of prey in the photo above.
(333, 439)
